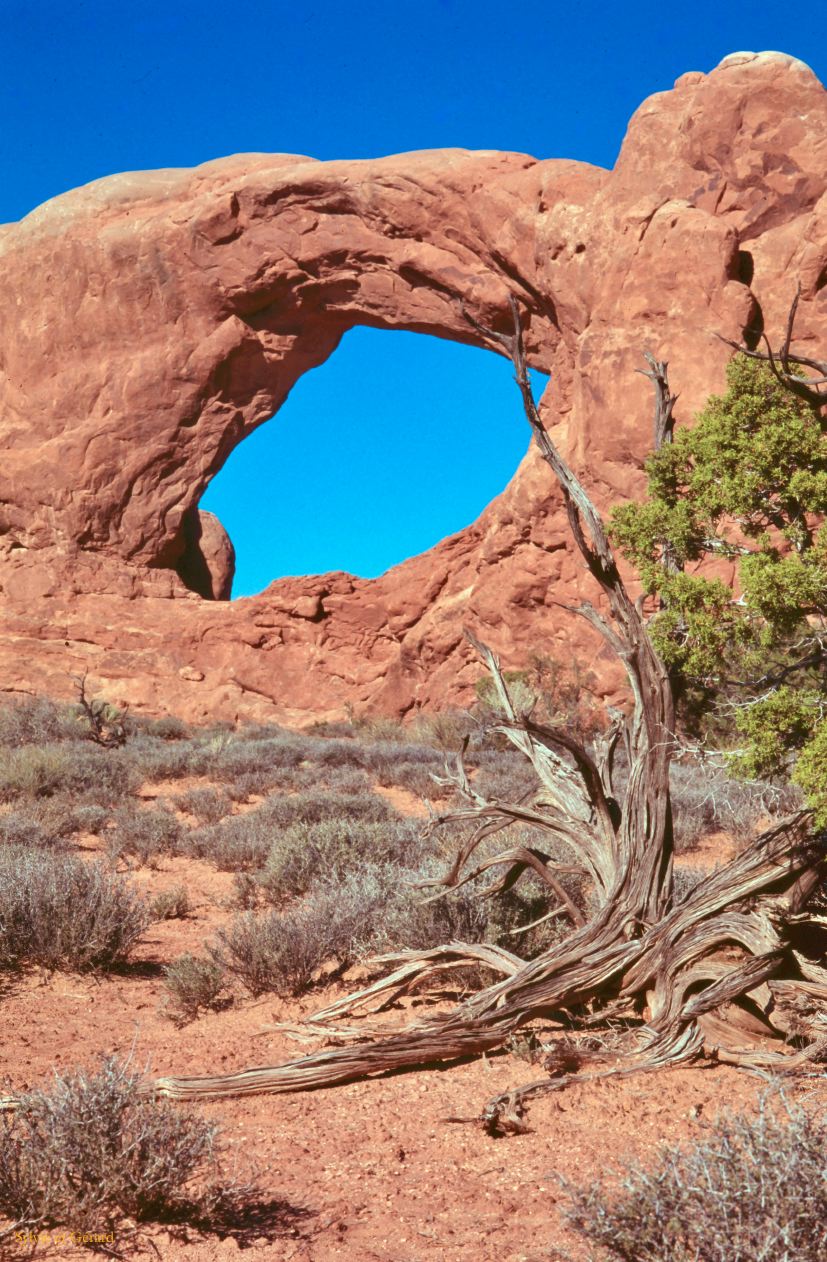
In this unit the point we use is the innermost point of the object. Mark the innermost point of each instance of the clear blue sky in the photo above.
(89, 87)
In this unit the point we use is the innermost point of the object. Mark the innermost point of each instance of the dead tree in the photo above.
(722, 973)
(106, 725)
(794, 372)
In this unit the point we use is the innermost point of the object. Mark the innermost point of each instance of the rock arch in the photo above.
(150, 321)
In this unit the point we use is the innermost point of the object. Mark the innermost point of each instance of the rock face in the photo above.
(151, 321)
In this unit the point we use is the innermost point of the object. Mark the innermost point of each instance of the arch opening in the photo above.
(395, 442)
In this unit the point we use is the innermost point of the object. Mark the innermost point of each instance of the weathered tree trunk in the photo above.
(704, 975)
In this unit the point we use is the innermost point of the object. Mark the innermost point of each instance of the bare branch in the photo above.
(664, 422)
(782, 364)
(106, 724)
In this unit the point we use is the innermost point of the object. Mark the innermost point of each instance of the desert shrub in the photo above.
(278, 953)
(239, 756)
(33, 771)
(62, 913)
(379, 727)
(98, 1156)
(37, 721)
(565, 691)
(445, 730)
(144, 832)
(171, 904)
(381, 756)
(243, 842)
(339, 753)
(521, 689)
(239, 843)
(253, 764)
(414, 777)
(706, 800)
(752, 1190)
(281, 952)
(304, 853)
(405, 919)
(25, 828)
(331, 729)
(153, 758)
(692, 820)
(247, 892)
(194, 985)
(165, 728)
(50, 821)
(86, 817)
(559, 693)
(248, 786)
(405, 766)
(101, 776)
(378, 907)
(684, 881)
(207, 805)
(314, 806)
(363, 904)
(266, 780)
(505, 777)
(350, 780)
(400, 762)
(263, 732)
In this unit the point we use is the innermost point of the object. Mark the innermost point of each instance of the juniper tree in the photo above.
(747, 484)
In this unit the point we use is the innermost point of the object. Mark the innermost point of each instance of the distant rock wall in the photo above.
(150, 321)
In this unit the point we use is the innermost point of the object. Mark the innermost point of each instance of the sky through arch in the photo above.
(396, 441)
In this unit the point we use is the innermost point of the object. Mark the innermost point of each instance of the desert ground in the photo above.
(396, 1168)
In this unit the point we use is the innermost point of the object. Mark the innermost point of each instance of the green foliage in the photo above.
(697, 622)
(777, 724)
(811, 773)
(747, 484)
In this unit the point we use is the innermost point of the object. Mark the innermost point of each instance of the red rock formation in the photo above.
(151, 321)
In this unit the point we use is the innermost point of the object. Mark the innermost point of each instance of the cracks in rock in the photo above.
(647, 222)
(543, 303)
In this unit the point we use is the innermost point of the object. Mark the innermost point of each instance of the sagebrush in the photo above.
(754, 1189)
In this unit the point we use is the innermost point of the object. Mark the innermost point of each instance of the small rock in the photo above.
(189, 672)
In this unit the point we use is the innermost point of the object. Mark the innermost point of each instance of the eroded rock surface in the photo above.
(151, 321)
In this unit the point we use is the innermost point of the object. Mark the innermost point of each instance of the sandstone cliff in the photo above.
(150, 321)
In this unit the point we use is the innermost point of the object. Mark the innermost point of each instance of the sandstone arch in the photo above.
(150, 321)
